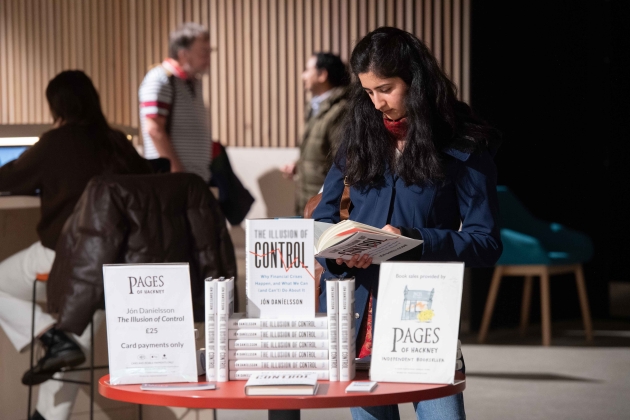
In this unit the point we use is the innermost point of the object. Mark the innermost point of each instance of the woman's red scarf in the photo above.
(397, 128)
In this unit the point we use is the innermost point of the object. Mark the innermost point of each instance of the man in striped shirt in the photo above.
(172, 113)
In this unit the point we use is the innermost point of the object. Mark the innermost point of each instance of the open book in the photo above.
(347, 238)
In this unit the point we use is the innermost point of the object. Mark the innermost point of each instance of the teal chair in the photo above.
(535, 248)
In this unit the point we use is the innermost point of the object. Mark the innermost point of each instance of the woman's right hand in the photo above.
(357, 261)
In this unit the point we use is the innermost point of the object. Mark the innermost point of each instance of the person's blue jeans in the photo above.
(447, 408)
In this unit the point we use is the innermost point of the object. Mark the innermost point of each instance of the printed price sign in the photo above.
(150, 331)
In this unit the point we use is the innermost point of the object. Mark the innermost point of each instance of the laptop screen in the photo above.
(9, 153)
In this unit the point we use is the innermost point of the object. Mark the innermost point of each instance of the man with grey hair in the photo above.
(172, 113)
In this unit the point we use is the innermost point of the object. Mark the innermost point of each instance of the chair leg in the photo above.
(586, 313)
(545, 307)
(92, 369)
(30, 387)
(492, 296)
(526, 303)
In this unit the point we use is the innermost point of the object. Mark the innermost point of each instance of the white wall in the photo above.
(259, 170)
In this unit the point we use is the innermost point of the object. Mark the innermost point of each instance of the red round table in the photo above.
(230, 395)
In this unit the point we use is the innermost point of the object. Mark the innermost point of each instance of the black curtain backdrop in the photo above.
(553, 76)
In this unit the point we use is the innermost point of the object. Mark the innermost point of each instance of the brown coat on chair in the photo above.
(136, 219)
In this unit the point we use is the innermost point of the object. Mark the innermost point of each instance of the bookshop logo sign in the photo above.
(146, 285)
(417, 305)
(419, 343)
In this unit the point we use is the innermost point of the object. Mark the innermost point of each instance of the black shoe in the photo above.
(37, 416)
(61, 352)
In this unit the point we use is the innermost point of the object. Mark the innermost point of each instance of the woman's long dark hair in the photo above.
(73, 100)
(436, 119)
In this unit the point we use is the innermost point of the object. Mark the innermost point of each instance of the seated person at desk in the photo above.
(80, 146)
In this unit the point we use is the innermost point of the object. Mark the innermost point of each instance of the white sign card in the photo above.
(150, 327)
(417, 322)
(280, 268)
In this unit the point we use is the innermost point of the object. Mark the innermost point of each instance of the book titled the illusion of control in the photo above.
(280, 268)
(416, 338)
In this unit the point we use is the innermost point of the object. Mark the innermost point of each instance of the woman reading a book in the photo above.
(417, 163)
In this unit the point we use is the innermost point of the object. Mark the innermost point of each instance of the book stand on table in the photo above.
(231, 395)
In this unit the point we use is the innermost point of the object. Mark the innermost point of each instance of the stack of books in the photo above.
(257, 345)
(280, 285)
(219, 307)
(342, 329)
(280, 332)
(324, 345)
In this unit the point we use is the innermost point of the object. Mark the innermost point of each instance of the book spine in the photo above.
(243, 323)
(211, 328)
(252, 323)
(248, 261)
(278, 344)
(243, 375)
(320, 322)
(332, 310)
(276, 354)
(278, 334)
(278, 364)
(347, 345)
(226, 308)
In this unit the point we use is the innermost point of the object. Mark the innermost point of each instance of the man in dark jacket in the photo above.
(326, 78)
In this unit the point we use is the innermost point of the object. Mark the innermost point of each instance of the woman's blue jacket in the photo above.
(432, 213)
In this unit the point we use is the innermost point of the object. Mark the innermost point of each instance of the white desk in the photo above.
(19, 202)
(18, 219)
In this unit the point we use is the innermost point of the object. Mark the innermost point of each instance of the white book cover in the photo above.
(272, 378)
(278, 334)
(272, 383)
(225, 295)
(243, 375)
(278, 364)
(332, 308)
(361, 386)
(211, 328)
(276, 354)
(278, 344)
(416, 339)
(280, 268)
(239, 321)
(202, 386)
(347, 330)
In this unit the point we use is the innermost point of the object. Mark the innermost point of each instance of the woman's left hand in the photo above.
(357, 261)
(391, 229)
